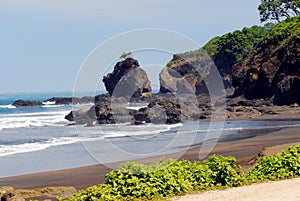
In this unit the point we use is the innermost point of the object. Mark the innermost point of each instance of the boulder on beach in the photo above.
(83, 116)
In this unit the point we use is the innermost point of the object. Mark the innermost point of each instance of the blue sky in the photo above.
(44, 42)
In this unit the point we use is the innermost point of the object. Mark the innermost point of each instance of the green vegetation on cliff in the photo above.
(232, 47)
(133, 181)
(285, 29)
(228, 49)
(221, 51)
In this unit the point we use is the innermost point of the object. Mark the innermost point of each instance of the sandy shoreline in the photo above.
(244, 150)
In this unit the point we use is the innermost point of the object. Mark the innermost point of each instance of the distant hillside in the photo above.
(224, 50)
(272, 69)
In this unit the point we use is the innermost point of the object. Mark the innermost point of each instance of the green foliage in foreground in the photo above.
(280, 166)
(133, 181)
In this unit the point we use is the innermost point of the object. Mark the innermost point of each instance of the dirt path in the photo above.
(271, 191)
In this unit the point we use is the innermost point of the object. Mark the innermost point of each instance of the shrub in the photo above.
(163, 179)
(132, 181)
(280, 166)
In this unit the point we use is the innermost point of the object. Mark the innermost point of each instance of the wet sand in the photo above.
(245, 150)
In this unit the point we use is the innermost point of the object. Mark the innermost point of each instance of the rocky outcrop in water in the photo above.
(163, 109)
(71, 100)
(83, 116)
(105, 111)
(128, 80)
(110, 112)
(55, 101)
(23, 103)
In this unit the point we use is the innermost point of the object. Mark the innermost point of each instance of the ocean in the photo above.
(39, 139)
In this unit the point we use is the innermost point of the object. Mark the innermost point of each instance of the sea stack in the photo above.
(129, 81)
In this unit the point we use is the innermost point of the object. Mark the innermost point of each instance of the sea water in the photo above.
(37, 139)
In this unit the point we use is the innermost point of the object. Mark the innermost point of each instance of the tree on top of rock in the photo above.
(278, 9)
(126, 55)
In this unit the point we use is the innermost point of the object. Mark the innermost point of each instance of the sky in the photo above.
(44, 43)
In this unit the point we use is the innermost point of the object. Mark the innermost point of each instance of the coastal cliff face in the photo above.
(272, 69)
(221, 51)
(128, 80)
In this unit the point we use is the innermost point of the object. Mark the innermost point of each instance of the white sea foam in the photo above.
(7, 106)
(135, 106)
(7, 150)
(41, 119)
(49, 103)
(141, 130)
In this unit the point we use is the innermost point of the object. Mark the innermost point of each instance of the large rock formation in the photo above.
(188, 71)
(128, 80)
(162, 109)
(182, 74)
(103, 112)
(109, 112)
(168, 109)
(272, 70)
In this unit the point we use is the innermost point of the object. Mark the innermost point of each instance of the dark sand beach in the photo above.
(245, 150)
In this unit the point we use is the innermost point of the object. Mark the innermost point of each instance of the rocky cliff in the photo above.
(272, 70)
(221, 51)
